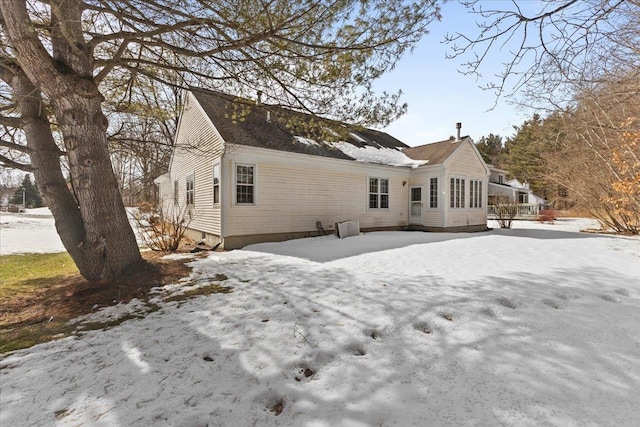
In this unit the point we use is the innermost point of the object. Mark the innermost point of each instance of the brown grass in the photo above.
(42, 313)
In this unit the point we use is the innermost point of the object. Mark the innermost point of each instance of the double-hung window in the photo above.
(475, 193)
(190, 190)
(433, 193)
(216, 183)
(456, 193)
(245, 184)
(378, 193)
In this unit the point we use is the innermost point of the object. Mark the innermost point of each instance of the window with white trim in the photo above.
(456, 193)
(378, 193)
(475, 193)
(433, 193)
(216, 183)
(190, 190)
(245, 184)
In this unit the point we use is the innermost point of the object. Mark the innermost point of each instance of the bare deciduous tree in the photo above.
(548, 46)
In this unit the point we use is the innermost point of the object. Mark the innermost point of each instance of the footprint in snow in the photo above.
(304, 373)
(553, 303)
(423, 327)
(491, 312)
(511, 303)
(356, 348)
(610, 298)
(375, 333)
(622, 291)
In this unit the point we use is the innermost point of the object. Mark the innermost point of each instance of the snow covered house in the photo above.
(249, 172)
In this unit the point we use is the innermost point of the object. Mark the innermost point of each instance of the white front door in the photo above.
(415, 205)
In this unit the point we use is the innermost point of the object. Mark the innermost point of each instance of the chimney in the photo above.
(458, 127)
(259, 98)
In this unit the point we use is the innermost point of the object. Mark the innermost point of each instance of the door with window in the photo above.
(415, 208)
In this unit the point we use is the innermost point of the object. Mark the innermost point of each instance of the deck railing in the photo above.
(525, 210)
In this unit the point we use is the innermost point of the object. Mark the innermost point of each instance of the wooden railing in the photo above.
(525, 210)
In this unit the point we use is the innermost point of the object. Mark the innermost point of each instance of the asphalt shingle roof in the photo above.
(435, 153)
(241, 121)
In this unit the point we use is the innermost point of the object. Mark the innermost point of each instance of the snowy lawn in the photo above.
(538, 325)
(33, 231)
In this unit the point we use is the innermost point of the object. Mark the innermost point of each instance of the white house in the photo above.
(251, 172)
(512, 189)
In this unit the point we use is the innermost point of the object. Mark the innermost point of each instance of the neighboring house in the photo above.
(251, 173)
(515, 191)
(512, 189)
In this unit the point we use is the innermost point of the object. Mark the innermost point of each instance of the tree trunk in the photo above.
(94, 227)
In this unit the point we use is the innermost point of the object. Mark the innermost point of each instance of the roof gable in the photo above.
(241, 121)
(435, 153)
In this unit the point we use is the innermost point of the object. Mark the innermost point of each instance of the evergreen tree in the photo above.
(490, 147)
(28, 194)
(522, 157)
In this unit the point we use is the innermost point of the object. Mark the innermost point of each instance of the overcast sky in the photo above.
(439, 96)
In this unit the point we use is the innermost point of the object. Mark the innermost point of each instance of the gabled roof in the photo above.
(241, 121)
(436, 153)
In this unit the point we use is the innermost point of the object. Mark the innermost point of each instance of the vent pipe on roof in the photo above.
(458, 127)
(268, 115)
(259, 98)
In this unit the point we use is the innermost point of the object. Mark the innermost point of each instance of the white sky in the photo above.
(439, 96)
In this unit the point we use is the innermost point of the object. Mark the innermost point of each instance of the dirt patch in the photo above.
(22, 317)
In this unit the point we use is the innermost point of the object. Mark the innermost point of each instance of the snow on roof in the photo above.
(383, 156)
(306, 141)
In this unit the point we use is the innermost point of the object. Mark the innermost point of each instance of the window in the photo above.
(522, 198)
(378, 193)
(190, 190)
(456, 193)
(245, 185)
(475, 193)
(433, 193)
(500, 179)
(216, 183)
(176, 192)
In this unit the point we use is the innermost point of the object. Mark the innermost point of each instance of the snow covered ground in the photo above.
(33, 231)
(538, 325)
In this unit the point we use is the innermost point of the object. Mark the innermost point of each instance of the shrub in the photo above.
(546, 215)
(506, 210)
(162, 230)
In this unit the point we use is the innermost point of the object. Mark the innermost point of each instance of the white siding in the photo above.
(465, 163)
(198, 147)
(421, 177)
(294, 191)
